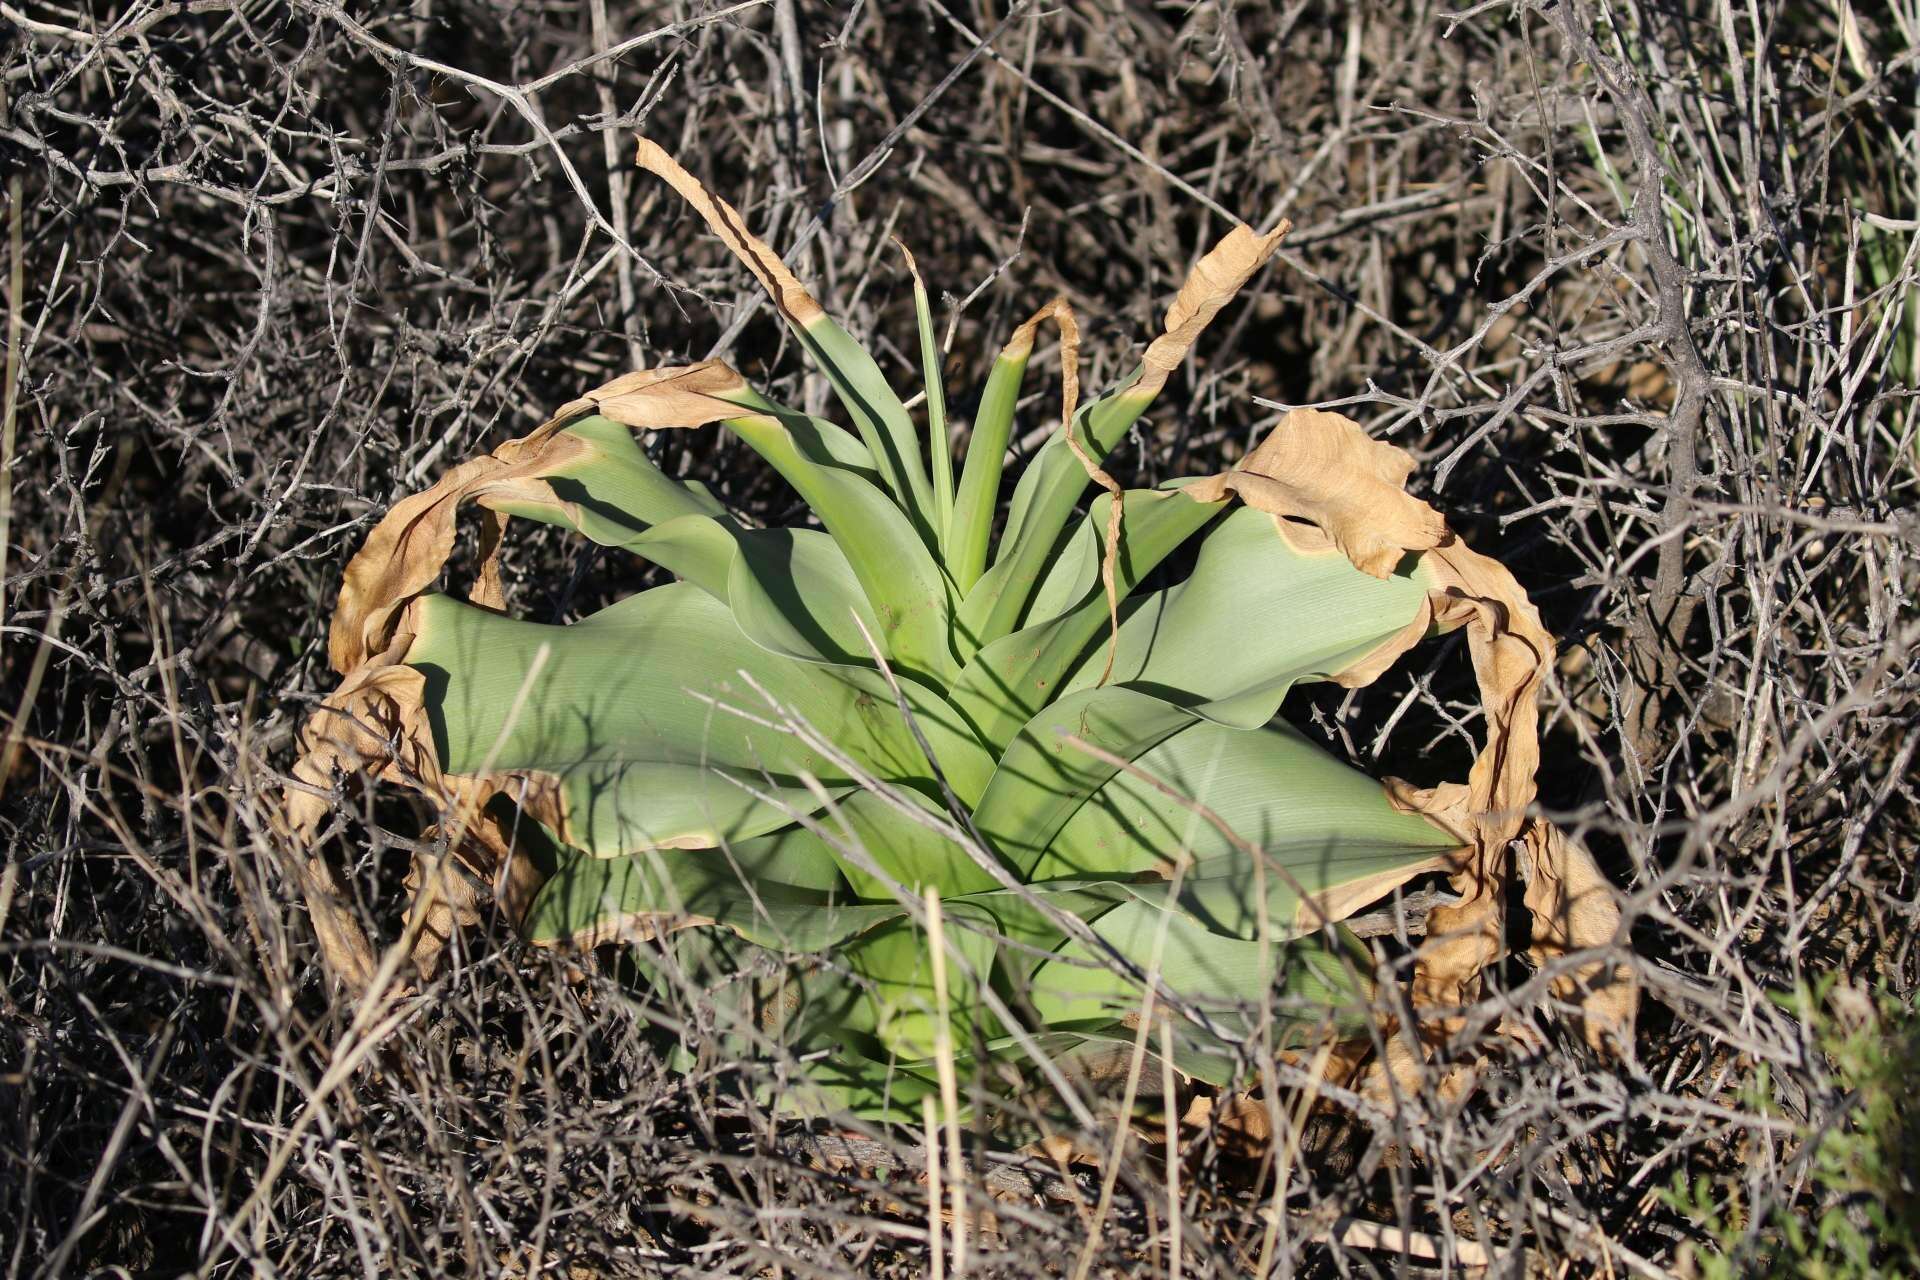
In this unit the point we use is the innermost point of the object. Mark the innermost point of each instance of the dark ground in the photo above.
(1637, 286)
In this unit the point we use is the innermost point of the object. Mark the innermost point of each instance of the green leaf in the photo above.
(1043, 503)
(772, 893)
(897, 965)
(1042, 778)
(979, 495)
(1225, 645)
(900, 578)
(814, 1011)
(885, 425)
(1254, 616)
(939, 447)
(1327, 825)
(907, 852)
(626, 698)
(792, 592)
(1006, 683)
(1321, 985)
(615, 480)
(1075, 571)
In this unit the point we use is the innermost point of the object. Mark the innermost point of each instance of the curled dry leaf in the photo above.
(1060, 311)
(1323, 468)
(1216, 278)
(788, 293)
(375, 724)
(1573, 908)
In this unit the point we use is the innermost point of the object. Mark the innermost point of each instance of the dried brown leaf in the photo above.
(1323, 468)
(787, 292)
(1215, 279)
(375, 724)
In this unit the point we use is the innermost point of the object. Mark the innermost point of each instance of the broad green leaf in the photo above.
(615, 479)
(907, 852)
(613, 494)
(633, 687)
(698, 549)
(1225, 645)
(774, 894)
(1042, 778)
(793, 592)
(897, 963)
(1328, 826)
(1075, 571)
(1317, 981)
(1255, 615)
(790, 592)
(874, 1005)
(826, 443)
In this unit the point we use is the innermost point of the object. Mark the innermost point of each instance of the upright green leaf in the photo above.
(1043, 503)
(902, 581)
(979, 495)
(939, 447)
(881, 418)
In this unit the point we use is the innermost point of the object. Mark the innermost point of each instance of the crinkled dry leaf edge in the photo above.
(375, 725)
(375, 722)
(1323, 469)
